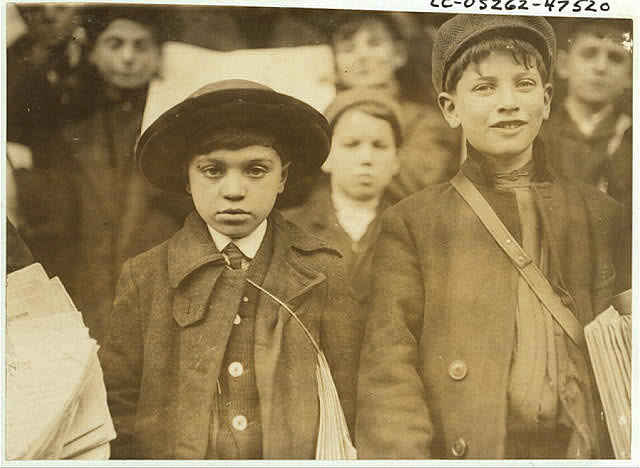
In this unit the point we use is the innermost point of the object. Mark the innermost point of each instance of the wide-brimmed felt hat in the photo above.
(461, 31)
(174, 137)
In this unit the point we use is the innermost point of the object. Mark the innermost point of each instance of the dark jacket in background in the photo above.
(585, 158)
(444, 294)
(430, 151)
(18, 254)
(317, 215)
(118, 215)
(167, 341)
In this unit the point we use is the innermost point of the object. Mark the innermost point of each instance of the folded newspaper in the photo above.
(56, 404)
(609, 342)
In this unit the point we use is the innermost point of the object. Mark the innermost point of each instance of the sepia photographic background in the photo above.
(64, 98)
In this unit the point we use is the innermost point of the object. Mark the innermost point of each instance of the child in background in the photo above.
(118, 215)
(461, 357)
(369, 51)
(198, 362)
(588, 136)
(346, 206)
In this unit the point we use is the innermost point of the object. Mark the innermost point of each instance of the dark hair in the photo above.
(351, 22)
(523, 52)
(619, 30)
(97, 20)
(379, 111)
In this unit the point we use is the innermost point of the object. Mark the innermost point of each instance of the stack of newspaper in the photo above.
(609, 341)
(56, 404)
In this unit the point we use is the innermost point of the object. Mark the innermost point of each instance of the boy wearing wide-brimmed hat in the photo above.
(199, 362)
(482, 285)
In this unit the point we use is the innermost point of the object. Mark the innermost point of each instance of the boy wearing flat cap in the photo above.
(345, 207)
(203, 360)
(482, 285)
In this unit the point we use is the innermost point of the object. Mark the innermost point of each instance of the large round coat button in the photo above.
(235, 369)
(457, 370)
(459, 448)
(239, 422)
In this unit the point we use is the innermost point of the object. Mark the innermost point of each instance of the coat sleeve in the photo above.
(393, 420)
(341, 336)
(121, 359)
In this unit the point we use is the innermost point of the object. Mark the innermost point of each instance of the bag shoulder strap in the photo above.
(536, 280)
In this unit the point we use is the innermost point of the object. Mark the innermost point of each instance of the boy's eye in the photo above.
(350, 143)
(589, 52)
(483, 88)
(380, 144)
(526, 84)
(345, 47)
(114, 43)
(212, 171)
(257, 171)
(616, 57)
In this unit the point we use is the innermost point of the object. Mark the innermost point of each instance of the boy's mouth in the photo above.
(509, 124)
(233, 211)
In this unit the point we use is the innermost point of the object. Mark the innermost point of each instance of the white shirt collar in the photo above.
(587, 123)
(248, 245)
(354, 216)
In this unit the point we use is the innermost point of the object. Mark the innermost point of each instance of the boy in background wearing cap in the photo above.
(346, 206)
(588, 135)
(460, 357)
(199, 363)
(369, 52)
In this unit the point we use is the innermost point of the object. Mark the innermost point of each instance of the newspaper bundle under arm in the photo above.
(334, 441)
(608, 339)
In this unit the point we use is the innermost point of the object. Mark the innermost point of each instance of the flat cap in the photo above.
(355, 97)
(462, 31)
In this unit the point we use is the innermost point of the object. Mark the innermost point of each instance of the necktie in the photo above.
(233, 256)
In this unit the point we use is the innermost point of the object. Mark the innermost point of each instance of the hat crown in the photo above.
(226, 85)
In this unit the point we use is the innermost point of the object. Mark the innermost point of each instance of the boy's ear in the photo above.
(283, 177)
(548, 96)
(400, 55)
(448, 107)
(562, 64)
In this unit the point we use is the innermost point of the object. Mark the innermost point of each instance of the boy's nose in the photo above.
(365, 155)
(508, 101)
(127, 53)
(233, 187)
(600, 62)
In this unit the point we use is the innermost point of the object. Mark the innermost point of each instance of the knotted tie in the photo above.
(233, 256)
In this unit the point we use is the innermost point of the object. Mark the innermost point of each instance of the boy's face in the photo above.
(500, 105)
(597, 69)
(369, 57)
(50, 24)
(235, 190)
(363, 158)
(126, 54)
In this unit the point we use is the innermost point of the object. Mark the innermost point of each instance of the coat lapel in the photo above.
(290, 280)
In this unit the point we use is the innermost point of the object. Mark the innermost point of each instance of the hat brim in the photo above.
(165, 146)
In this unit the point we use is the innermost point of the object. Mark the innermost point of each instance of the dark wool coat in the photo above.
(438, 344)
(317, 215)
(167, 341)
(118, 215)
(579, 157)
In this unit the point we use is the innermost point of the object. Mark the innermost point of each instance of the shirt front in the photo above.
(248, 245)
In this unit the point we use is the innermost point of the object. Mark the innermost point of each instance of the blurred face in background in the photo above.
(368, 55)
(597, 69)
(49, 24)
(126, 54)
(363, 159)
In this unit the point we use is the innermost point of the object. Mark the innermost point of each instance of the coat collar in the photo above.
(192, 247)
(476, 169)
